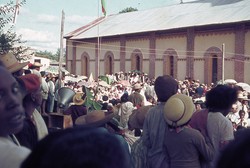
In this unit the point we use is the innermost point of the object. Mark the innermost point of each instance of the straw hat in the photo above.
(137, 86)
(78, 99)
(11, 63)
(178, 110)
(94, 119)
(242, 96)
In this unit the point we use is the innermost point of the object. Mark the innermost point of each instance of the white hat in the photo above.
(137, 86)
(178, 110)
(242, 96)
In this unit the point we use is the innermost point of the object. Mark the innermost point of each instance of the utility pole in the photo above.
(223, 62)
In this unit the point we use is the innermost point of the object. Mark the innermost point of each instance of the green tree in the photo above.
(46, 54)
(57, 55)
(7, 12)
(129, 9)
(50, 55)
(9, 41)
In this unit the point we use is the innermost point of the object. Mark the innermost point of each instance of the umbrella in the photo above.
(230, 81)
(244, 86)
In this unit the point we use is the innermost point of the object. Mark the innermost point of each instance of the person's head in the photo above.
(43, 74)
(221, 98)
(234, 108)
(11, 109)
(79, 147)
(35, 65)
(165, 87)
(79, 98)
(137, 87)
(31, 89)
(242, 114)
(124, 97)
(12, 64)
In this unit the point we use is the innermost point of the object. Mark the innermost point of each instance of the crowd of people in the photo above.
(141, 122)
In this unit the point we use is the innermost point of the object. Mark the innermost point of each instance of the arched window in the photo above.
(138, 63)
(109, 63)
(213, 65)
(170, 63)
(214, 68)
(85, 64)
(136, 60)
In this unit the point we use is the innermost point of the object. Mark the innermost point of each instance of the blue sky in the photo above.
(39, 20)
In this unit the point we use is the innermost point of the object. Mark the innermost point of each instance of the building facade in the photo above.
(183, 50)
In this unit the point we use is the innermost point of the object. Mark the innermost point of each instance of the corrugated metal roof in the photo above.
(190, 13)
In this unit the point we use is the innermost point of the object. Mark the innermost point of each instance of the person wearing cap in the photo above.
(184, 146)
(34, 127)
(12, 65)
(135, 97)
(242, 103)
(11, 121)
(77, 109)
(154, 126)
(36, 66)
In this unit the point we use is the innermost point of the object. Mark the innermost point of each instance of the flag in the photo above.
(104, 7)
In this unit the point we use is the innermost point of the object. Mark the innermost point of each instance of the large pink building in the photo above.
(180, 40)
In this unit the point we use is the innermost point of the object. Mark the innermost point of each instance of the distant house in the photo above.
(180, 40)
(44, 61)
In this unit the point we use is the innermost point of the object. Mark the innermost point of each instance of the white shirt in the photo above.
(11, 155)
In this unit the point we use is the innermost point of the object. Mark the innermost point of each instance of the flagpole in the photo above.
(61, 49)
(98, 44)
(223, 62)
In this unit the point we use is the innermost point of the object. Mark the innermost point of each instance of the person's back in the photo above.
(154, 124)
(219, 101)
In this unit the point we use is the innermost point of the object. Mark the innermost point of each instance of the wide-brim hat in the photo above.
(242, 96)
(79, 98)
(136, 119)
(94, 118)
(37, 64)
(11, 63)
(178, 110)
(137, 86)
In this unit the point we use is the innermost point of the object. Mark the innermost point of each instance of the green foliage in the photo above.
(106, 79)
(50, 55)
(46, 54)
(9, 41)
(129, 9)
(7, 12)
(90, 103)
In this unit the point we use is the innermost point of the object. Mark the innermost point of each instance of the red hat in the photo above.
(30, 82)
